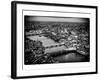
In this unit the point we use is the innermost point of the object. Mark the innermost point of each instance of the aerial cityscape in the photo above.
(56, 40)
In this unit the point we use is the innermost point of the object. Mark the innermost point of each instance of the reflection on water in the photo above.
(70, 58)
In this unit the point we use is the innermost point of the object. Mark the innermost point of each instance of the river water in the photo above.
(49, 42)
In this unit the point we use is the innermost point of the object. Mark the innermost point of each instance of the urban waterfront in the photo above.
(56, 42)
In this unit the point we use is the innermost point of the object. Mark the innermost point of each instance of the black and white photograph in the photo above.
(56, 40)
(53, 39)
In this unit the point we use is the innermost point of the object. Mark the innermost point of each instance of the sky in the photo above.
(55, 19)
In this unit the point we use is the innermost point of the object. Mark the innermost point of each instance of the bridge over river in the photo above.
(54, 48)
